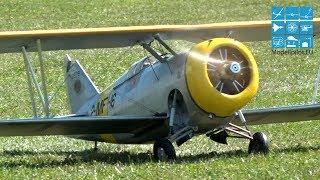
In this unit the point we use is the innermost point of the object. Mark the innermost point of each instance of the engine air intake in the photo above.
(222, 75)
(228, 70)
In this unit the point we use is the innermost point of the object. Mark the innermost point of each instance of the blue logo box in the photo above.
(292, 27)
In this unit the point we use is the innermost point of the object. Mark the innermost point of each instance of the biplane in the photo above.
(164, 98)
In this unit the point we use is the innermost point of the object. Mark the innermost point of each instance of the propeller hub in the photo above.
(235, 67)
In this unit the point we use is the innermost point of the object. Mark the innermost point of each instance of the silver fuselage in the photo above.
(144, 90)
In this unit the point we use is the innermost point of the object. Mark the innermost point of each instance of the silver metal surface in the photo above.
(80, 88)
(34, 80)
(158, 38)
(147, 47)
(239, 128)
(240, 114)
(280, 114)
(239, 132)
(43, 79)
(31, 92)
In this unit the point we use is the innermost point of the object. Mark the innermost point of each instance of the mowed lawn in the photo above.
(285, 80)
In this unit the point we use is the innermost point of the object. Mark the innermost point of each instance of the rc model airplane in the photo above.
(163, 98)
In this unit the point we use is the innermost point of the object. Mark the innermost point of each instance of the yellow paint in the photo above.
(134, 29)
(102, 110)
(102, 105)
(200, 87)
(108, 138)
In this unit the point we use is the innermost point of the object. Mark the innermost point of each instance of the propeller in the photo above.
(228, 70)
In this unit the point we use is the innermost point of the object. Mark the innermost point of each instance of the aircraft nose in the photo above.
(222, 76)
(228, 70)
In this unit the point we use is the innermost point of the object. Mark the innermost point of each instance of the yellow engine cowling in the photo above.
(222, 76)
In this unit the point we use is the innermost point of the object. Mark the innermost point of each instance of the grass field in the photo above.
(285, 80)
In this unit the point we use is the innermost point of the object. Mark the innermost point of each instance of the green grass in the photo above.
(285, 80)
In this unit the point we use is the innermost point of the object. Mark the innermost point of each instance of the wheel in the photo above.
(163, 150)
(259, 144)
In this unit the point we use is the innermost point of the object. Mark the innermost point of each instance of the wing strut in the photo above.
(147, 46)
(158, 38)
(31, 92)
(31, 77)
(43, 79)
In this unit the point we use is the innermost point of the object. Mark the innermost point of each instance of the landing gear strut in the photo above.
(258, 141)
(163, 149)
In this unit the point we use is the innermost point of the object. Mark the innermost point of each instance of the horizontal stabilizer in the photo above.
(76, 125)
(281, 114)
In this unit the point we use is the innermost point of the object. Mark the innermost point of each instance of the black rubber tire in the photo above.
(166, 146)
(259, 144)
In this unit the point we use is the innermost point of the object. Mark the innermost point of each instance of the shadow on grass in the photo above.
(90, 156)
(244, 153)
(73, 157)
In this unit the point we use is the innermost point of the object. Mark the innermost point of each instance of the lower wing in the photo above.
(77, 125)
(281, 114)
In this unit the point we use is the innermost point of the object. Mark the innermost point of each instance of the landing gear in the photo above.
(259, 144)
(178, 132)
(258, 141)
(163, 150)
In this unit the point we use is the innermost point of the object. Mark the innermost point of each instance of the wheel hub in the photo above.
(162, 154)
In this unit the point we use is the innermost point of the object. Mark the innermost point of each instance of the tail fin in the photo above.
(80, 87)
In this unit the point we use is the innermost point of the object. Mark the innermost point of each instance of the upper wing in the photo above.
(281, 114)
(77, 125)
(12, 41)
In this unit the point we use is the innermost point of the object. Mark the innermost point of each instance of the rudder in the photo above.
(80, 87)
